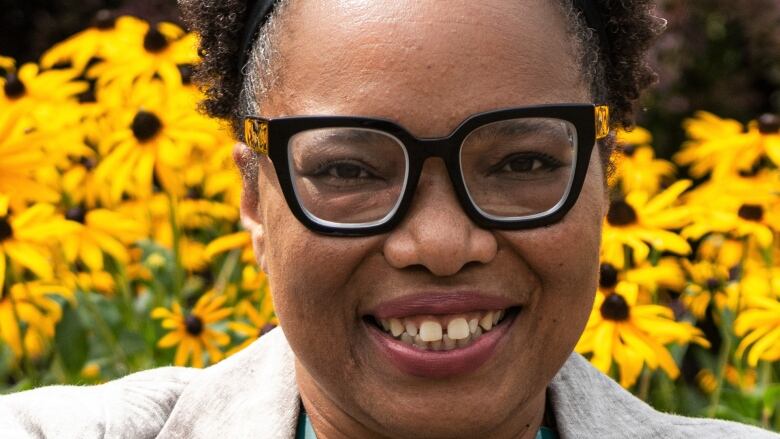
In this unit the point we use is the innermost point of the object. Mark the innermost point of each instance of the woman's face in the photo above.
(427, 65)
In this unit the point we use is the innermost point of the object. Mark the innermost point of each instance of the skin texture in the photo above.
(427, 66)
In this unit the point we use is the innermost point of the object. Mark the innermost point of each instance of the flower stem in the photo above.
(723, 358)
(178, 270)
(644, 384)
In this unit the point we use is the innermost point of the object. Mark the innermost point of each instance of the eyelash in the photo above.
(551, 163)
(323, 168)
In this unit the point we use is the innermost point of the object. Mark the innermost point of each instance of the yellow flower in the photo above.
(735, 215)
(100, 231)
(743, 380)
(713, 146)
(33, 91)
(24, 237)
(193, 332)
(633, 335)
(21, 156)
(260, 322)
(760, 326)
(665, 274)
(637, 169)
(239, 240)
(140, 57)
(153, 136)
(28, 316)
(640, 222)
(7, 64)
(98, 41)
(708, 284)
(78, 181)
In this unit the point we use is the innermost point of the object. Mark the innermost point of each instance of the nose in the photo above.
(436, 233)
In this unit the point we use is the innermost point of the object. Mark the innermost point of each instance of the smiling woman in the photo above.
(425, 186)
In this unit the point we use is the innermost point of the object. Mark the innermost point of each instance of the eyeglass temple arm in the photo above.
(256, 135)
(602, 121)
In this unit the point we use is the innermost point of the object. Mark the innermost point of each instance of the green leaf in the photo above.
(772, 395)
(71, 341)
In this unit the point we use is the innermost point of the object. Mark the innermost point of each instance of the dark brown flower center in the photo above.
(76, 213)
(193, 324)
(105, 19)
(621, 214)
(14, 87)
(194, 193)
(608, 276)
(615, 308)
(88, 163)
(769, 124)
(713, 284)
(155, 41)
(5, 230)
(145, 126)
(751, 212)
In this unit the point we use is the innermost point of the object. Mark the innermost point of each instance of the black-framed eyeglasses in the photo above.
(512, 168)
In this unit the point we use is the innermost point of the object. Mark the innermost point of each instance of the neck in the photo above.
(331, 421)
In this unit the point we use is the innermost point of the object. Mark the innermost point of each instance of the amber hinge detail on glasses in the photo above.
(602, 121)
(256, 135)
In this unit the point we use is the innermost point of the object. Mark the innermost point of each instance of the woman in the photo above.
(425, 185)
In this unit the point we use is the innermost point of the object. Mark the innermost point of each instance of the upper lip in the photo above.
(440, 303)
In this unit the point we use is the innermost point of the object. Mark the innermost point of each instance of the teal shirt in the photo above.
(306, 431)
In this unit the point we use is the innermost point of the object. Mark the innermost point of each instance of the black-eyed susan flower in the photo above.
(99, 232)
(640, 222)
(633, 335)
(152, 139)
(760, 327)
(737, 206)
(37, 92)
(25, 237)
(28, 316)
(637, 168)
(21, 156)
(713, 146)
(138, 58)
(708, 285)
(239, 240)
(258, 320)
(98, 41)
(666, 273)
(193, 332)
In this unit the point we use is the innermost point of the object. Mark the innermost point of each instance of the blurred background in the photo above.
(121, 248)
(718, 55)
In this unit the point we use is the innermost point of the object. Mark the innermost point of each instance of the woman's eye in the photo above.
(528, 163)
(347, 171)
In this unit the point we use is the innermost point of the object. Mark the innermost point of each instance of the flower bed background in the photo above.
(121, 249)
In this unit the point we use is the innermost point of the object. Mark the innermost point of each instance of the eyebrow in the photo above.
(514, 127)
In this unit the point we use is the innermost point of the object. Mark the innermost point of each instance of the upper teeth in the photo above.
(442, 332)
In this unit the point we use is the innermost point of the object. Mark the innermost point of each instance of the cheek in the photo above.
(309, 277)
(565, 259)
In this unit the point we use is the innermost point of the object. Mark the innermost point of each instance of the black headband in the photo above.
(259, 10)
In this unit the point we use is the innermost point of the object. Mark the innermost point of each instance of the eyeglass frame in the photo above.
(271, 137)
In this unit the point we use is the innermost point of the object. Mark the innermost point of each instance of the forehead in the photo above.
(427, 64)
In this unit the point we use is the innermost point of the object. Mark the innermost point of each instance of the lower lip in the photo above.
(439, 364)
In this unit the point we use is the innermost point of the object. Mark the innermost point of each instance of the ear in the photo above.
(251, 216)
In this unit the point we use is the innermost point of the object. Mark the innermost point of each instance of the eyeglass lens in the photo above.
(512, 169)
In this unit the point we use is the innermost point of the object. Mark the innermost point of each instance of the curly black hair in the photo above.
(617, 76)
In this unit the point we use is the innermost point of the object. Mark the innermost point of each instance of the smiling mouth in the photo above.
(444, 332)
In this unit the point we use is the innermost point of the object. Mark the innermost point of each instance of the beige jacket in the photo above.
(253, 395)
